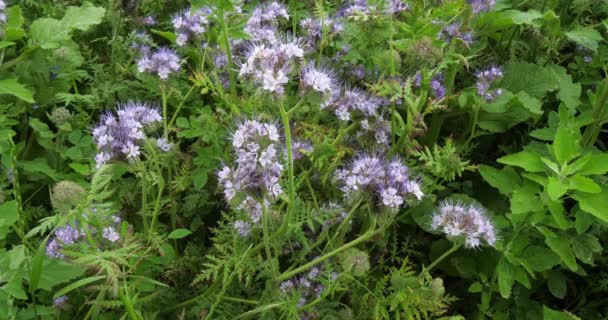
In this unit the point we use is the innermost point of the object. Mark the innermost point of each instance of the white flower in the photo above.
(390, 198)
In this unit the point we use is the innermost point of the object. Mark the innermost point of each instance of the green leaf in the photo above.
(557, 284)
(568, 91)
(505, 180)
(584, 184)
(558, 212)
(540, 258)
(583, 221)
(524, 200)
(48, 33)
(594, 203)
(56, 271)
(528, 160)
(83, 17)
(528, 77)
(586, 37)
(598, 164)
(13, 29)
(9, 214)
(179, 233)
(165, 34)
(550, 314)
(76, 285)
(584, 246)
(566, 144)
(529, 103)
(556, 188)
(12, 87)
(506, 277)
(561, 246)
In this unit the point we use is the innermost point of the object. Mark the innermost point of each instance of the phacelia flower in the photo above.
(258, 169)
(264, 21)
(319, 81)
(120, 136)
(396, 6)
(388, 183)
(300, 149)
(454, 31)
(162, 62)
(314, 28)
(2, 14)
(243, 228)
(66, 235)
(110, 234)
(469, 222)
(270, 66)
(189, 24)
(482, 5)
(164, 144)
(60, 302)
(309, 286)
(485, 79)
(436, 84)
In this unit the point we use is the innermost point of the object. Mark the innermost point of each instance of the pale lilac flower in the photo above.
(485, 79)
(468, 222)
(190, 24)
(314, 28)
(320, 81)
(388, 183)
(436, 84)
(110, 234)
(162, 62)
(396, 7)
(243, 228)
(263, 24)
(60, 302)
(300, 148)
(482, 5)
(454, 31)
(164, 144)
(149, 20)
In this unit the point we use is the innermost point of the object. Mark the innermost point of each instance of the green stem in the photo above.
(156, 207)
(266, 236)
(231, 74)
(600, 115)
(164, 97)
(179, 107)
(286, 126)
(144, 200)
(474, 121)
(240, 300)
(453, 249)
(318, 260)
(343, 223)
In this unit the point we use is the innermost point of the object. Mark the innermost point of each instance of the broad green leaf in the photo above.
(13, 29)
(584, 184)
(528, 160)
(540, 258)
(584, 246)
(179, 233)
(566, 144)
(528, 77)
(48, 33)
(557, 284)
(506, 277)
(166, 34)
(9, 214)
(558, 212)
(550, 314)
(583, 221)
(568, 91)
(83, 17)
(505, 180)
(598, 164)
(530, 103)
(594, 203)
(55, 271)
(586, 37)
(561, 246)
(524, 200)
(12, 87)
(14, 288)
(76, 285)
(556, 188)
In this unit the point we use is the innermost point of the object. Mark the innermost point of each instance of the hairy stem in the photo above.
(453, 249)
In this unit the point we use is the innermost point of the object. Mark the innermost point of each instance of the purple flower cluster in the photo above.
(300, 149)
(336, 212)
(457, 220)
(120, 136)
(387, 182)
(587, 54)
(482, 5)
(358, 8)
(263, 23)
(161, 62)
(61, 302)
(269, 66)
(258, 169)
(485, 79)
(149, 20)
(396, 7)
(141, 43)
(164, 144)
(314, 28)
(436, 84)
(318, 80)
(2, 13)
(454, 31)
(309, 286)
(190, 24)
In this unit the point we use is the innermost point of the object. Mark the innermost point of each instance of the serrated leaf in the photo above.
(528, 160)
(584, 184)
(568, 91)
(528, 77)
(561, 246)
(594, 203)
(550, 314)
(556, 188)
(566, 144)
(83, 17)
(524, 200)
(12, 87)
(540, 258)
(506, 277)
(586, 37)
(505, 180)
(598, 164)
(9, 214)
(48, 33)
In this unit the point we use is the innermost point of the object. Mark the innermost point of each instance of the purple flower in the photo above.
(482, 5)
(457, 220)
(66, 235)
(162, 62)
(149, 20)
(110, 234)
(321, 81)
(436, 84)
(387, 182)
(396, 7)
(454, 31)
(61, 302)
(300, 149)
(314, 28)
(243, 228)
(120, 136)
(485, 79)
(189, 24)
(164, 144)
(263, 23)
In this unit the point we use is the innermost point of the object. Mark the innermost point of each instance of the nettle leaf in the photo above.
(597, 164)
(568, 91)
(528, 77)
(506, 277)
(561, 245)
(556, 187)
(55, 272)
(540, 258)
(83, 17)
(9, 216)
(528, 160)
(12, 87)
(13, 29)
(505, 180)
(566, 144)
(525, 199)
(586, 37)
(558, 212)
(594, 203)
(584, 184)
